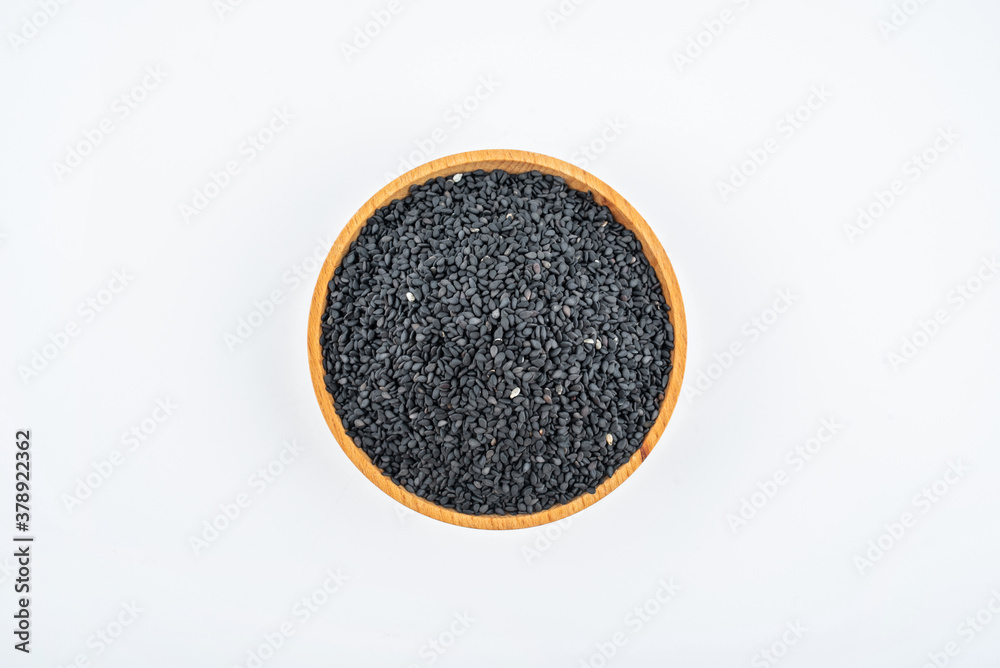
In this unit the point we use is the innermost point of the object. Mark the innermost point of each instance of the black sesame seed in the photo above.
(496, 342)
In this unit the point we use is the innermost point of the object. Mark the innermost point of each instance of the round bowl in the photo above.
(514, 162)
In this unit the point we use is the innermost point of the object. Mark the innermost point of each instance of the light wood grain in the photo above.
(514, 162)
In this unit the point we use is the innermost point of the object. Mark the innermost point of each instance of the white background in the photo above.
(537, 597)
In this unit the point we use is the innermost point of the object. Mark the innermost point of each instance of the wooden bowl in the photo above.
(514, 162)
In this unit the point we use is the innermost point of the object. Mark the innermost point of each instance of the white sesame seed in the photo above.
(410, 297)
(591, 341)
(516, 391)
(456, 178)
(597, 344)
(610, 439)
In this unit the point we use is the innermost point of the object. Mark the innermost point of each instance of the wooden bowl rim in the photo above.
(512, 161)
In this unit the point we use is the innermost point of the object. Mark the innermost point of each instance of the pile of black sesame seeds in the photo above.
(496, 343)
